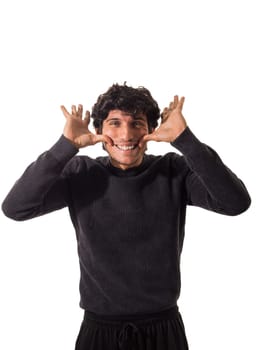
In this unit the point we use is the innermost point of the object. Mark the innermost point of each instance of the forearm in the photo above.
(210, 183)
(41, 188)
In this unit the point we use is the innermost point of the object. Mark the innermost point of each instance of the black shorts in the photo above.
(156, 331)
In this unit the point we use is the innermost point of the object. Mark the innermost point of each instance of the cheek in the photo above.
(109, 132)
(110, 149)
(145, 132)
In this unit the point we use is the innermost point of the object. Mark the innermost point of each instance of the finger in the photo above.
(142, 142)
(87, 118)
(73, 109)
(148, 137)
(165, 111)
(64, 111)
(165, 114)
(181, 103)
(105, 138)
(80, 111)
(108, 140)
(176, 100)
(174, 103)
(171, 105)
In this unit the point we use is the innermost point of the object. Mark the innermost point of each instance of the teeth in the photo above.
(125, 148)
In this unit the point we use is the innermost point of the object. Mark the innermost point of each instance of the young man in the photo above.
(128, 210)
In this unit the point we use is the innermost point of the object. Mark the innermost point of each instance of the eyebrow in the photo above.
(118, 118)
(140, 118)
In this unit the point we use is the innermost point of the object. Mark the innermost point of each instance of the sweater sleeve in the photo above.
(209, 183)
(42, 188)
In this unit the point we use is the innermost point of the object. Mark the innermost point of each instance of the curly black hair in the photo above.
(127, 99)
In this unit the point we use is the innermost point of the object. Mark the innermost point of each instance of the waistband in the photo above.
(166, 314)
(129, 324)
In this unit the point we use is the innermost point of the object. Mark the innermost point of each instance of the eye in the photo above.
(139, 124)
(114, 123)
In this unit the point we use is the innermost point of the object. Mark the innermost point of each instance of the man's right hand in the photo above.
(76, 128)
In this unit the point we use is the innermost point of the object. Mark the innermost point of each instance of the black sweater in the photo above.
(129, 224)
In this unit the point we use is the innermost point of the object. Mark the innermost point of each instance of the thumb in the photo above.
(150, 137)
(106, 139)
(145, 139)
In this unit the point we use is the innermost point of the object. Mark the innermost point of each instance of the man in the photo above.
(128, 210)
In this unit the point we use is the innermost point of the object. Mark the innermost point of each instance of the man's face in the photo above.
(126, 131)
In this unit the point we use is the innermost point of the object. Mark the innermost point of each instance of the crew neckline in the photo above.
(130, 171)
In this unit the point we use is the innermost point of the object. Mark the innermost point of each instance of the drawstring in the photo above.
(125, 336)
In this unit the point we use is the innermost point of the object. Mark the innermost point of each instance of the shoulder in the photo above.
(169, 157)
(81, 164)
(169, 161)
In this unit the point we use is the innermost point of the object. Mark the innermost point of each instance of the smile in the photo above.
(126, 148)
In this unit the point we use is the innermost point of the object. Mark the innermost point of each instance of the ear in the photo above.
(151, 130)
(98, 130)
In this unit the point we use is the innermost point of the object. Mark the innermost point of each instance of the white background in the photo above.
(65, 52)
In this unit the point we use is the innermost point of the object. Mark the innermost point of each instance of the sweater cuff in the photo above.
(63, 150)
(187, 142)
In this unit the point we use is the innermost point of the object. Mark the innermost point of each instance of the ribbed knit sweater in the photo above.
(129, 223)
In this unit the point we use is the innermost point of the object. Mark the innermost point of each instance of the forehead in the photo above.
(119, 114)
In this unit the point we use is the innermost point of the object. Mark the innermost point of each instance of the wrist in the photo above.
(73, 143)
(63, 150)
(179, 133)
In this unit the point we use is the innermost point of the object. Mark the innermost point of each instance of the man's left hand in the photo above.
(172, 125)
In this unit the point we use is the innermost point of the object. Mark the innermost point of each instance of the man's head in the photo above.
(134, 101)
(125, 114)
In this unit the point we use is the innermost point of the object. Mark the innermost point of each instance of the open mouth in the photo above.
(126, 147)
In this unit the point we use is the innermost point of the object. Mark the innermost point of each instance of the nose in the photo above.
(126, 133)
